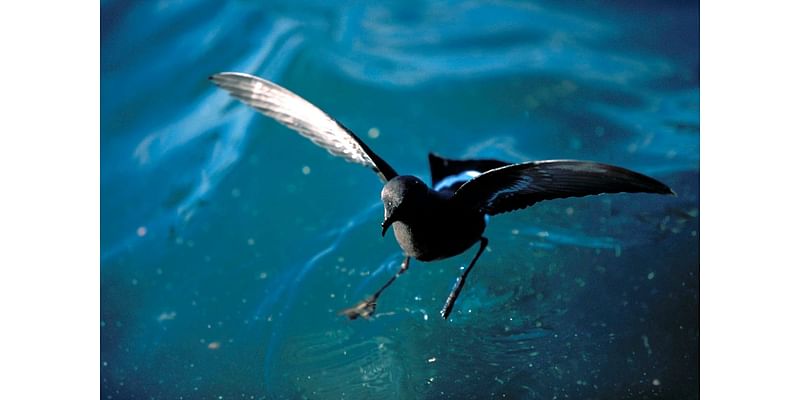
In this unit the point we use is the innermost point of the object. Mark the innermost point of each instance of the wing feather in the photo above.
(522, 185)
(303, 117)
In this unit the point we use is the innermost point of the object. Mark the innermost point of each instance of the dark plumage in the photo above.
(447, 219)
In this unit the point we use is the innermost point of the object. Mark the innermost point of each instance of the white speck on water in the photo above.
(141, 231)
(656, 382)
(333, 295)
(515, 231)
(425, 317)
(167, 316)
(646, 343)
(651, 275)
(306, 170)
(432, 360)
(262, 275)
(373, 133)
(569, 211)
(543, 234)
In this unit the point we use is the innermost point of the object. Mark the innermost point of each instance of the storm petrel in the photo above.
(434, 223)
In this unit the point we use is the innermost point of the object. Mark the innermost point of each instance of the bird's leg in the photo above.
(366, 307)
(451, 299)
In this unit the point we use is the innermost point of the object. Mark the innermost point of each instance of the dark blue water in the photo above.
(228, 243)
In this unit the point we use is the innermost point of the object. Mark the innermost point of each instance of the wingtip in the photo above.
(219, 76)
(665, 190)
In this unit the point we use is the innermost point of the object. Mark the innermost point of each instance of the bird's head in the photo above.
(399, 196)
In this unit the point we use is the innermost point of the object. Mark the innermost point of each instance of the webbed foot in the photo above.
(363, 309)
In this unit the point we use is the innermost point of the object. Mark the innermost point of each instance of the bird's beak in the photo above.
(386, 224)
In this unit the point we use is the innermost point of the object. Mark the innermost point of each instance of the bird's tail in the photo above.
(447, 174)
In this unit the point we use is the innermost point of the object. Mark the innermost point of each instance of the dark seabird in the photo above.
(449, 218)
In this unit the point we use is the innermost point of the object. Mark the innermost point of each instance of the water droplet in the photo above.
(306, 170)
(373, 133)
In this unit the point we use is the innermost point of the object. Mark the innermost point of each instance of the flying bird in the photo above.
(446, 219)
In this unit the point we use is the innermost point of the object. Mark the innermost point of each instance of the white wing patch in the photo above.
(453, 179)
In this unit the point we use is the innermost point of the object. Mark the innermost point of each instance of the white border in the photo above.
(749, 200)
(49, 212)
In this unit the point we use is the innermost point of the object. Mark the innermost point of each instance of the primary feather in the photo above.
(522, 185)
(303, 117)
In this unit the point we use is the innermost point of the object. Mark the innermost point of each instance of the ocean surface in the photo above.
(229, 243)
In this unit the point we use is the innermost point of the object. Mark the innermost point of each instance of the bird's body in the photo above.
(438, 230)
(447, 218)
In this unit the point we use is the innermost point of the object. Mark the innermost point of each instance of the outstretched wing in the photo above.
(517, 186)
(298, 114)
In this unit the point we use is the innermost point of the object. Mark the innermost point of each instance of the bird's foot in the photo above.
(363, 309)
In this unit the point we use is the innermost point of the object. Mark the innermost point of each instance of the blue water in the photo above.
(229, 243)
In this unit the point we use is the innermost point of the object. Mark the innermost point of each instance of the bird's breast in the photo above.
(439, 235)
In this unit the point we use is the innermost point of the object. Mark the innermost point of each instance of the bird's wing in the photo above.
(298, 114)
(517, 186)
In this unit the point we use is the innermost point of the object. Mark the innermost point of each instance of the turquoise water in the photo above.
(229, 243)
